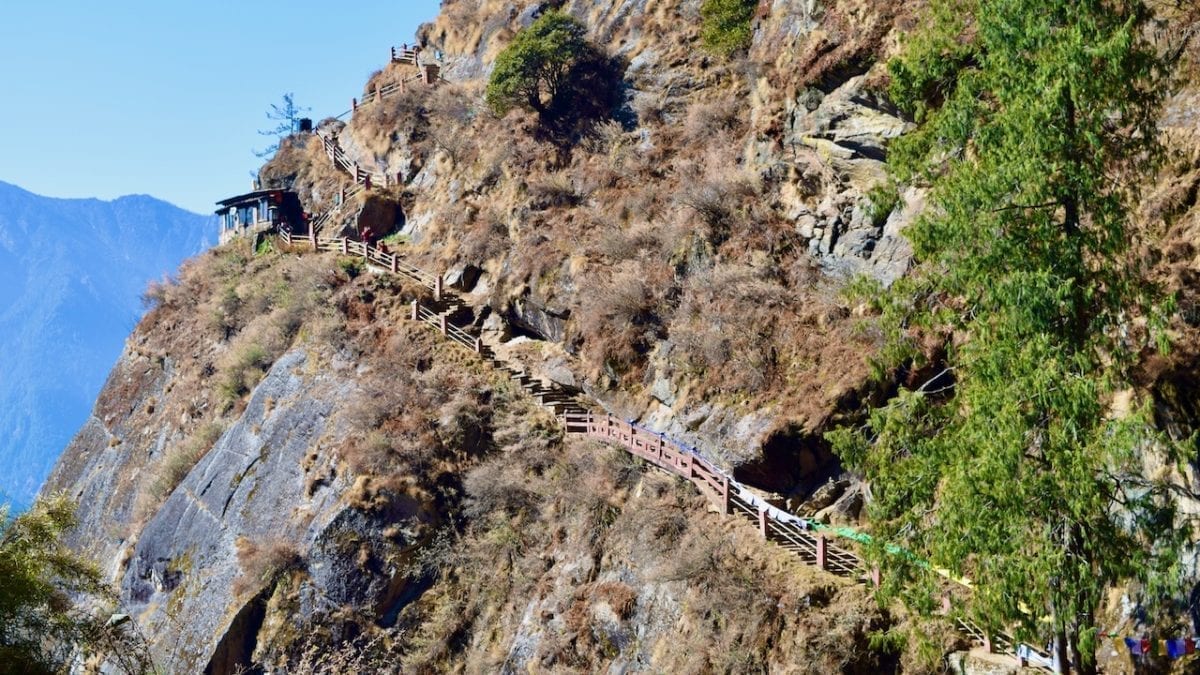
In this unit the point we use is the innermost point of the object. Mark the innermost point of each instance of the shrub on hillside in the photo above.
(263, 563)
(726, 25)
(553, 70)
(181, 459)
(44, 626)
(246, 367)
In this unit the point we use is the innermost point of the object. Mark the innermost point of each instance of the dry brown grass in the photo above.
(263, 563)
(301, 165)
(705, 592)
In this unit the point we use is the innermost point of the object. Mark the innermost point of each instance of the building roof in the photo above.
(248, 197)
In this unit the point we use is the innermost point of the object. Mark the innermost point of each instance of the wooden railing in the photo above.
(364, 179)
(808, 539)
(442, 323)
(731, 498)
(405, 55)
(386, 260)
(382, 92)
(813, 542)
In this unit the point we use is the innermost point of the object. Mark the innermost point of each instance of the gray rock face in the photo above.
(250, 484)
(845, 135)
(532, 316)
(98, 469)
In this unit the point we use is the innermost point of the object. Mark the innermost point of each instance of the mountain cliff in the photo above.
(286, 472)
(71, 277)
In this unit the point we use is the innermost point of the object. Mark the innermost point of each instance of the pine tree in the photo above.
(1036, 122)
(551, 68)
(286, 118)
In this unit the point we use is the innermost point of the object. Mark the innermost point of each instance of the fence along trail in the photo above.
(812, 541)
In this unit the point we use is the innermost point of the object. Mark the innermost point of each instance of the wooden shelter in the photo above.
(259, 211)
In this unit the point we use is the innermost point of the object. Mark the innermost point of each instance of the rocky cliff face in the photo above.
(682, 262)
(283, 473)
(352, 493)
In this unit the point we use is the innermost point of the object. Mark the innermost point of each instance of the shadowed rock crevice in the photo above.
(235, 651)
(793, 462)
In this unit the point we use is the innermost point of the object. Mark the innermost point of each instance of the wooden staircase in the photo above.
(811, 541)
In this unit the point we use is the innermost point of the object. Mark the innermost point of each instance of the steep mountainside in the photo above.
(285, 472)
(71, 276)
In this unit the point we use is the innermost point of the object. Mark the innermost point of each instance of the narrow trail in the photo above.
(814, 542)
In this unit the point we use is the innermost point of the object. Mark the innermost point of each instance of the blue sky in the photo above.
(103, 99)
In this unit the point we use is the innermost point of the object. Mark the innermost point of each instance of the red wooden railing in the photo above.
(793, 533)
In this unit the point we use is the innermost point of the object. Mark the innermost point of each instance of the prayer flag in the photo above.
(1135, 646)
(1175, 648)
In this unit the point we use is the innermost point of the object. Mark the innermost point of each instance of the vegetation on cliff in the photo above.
(551, 68)
(726, 27)
(44, 624)
(1018, 464)
(305, 480)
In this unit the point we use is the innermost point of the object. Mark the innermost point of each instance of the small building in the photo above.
(260, 211)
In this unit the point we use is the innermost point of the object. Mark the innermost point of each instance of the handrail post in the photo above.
(726, 506)
(821, 551)
(345, 246)
(438, 288)
(478, 345)
(393, 263)
(378, 93)
(762, 522)
(875, 577)
(443, 325)
(367, 181)
(416, 315)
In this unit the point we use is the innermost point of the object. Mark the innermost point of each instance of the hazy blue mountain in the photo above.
(72, 272)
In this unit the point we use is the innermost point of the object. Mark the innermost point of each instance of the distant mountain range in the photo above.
(72, 272)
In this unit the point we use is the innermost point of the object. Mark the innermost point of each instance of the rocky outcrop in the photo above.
(848, 131)
(253, 484)
(799, 122)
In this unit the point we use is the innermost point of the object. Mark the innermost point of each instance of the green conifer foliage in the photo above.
(1036, 124)
(41, 628)
(552, 69)
(727, 25)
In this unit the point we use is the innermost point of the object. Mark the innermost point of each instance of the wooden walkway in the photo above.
(364, 178)
(813, 542)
